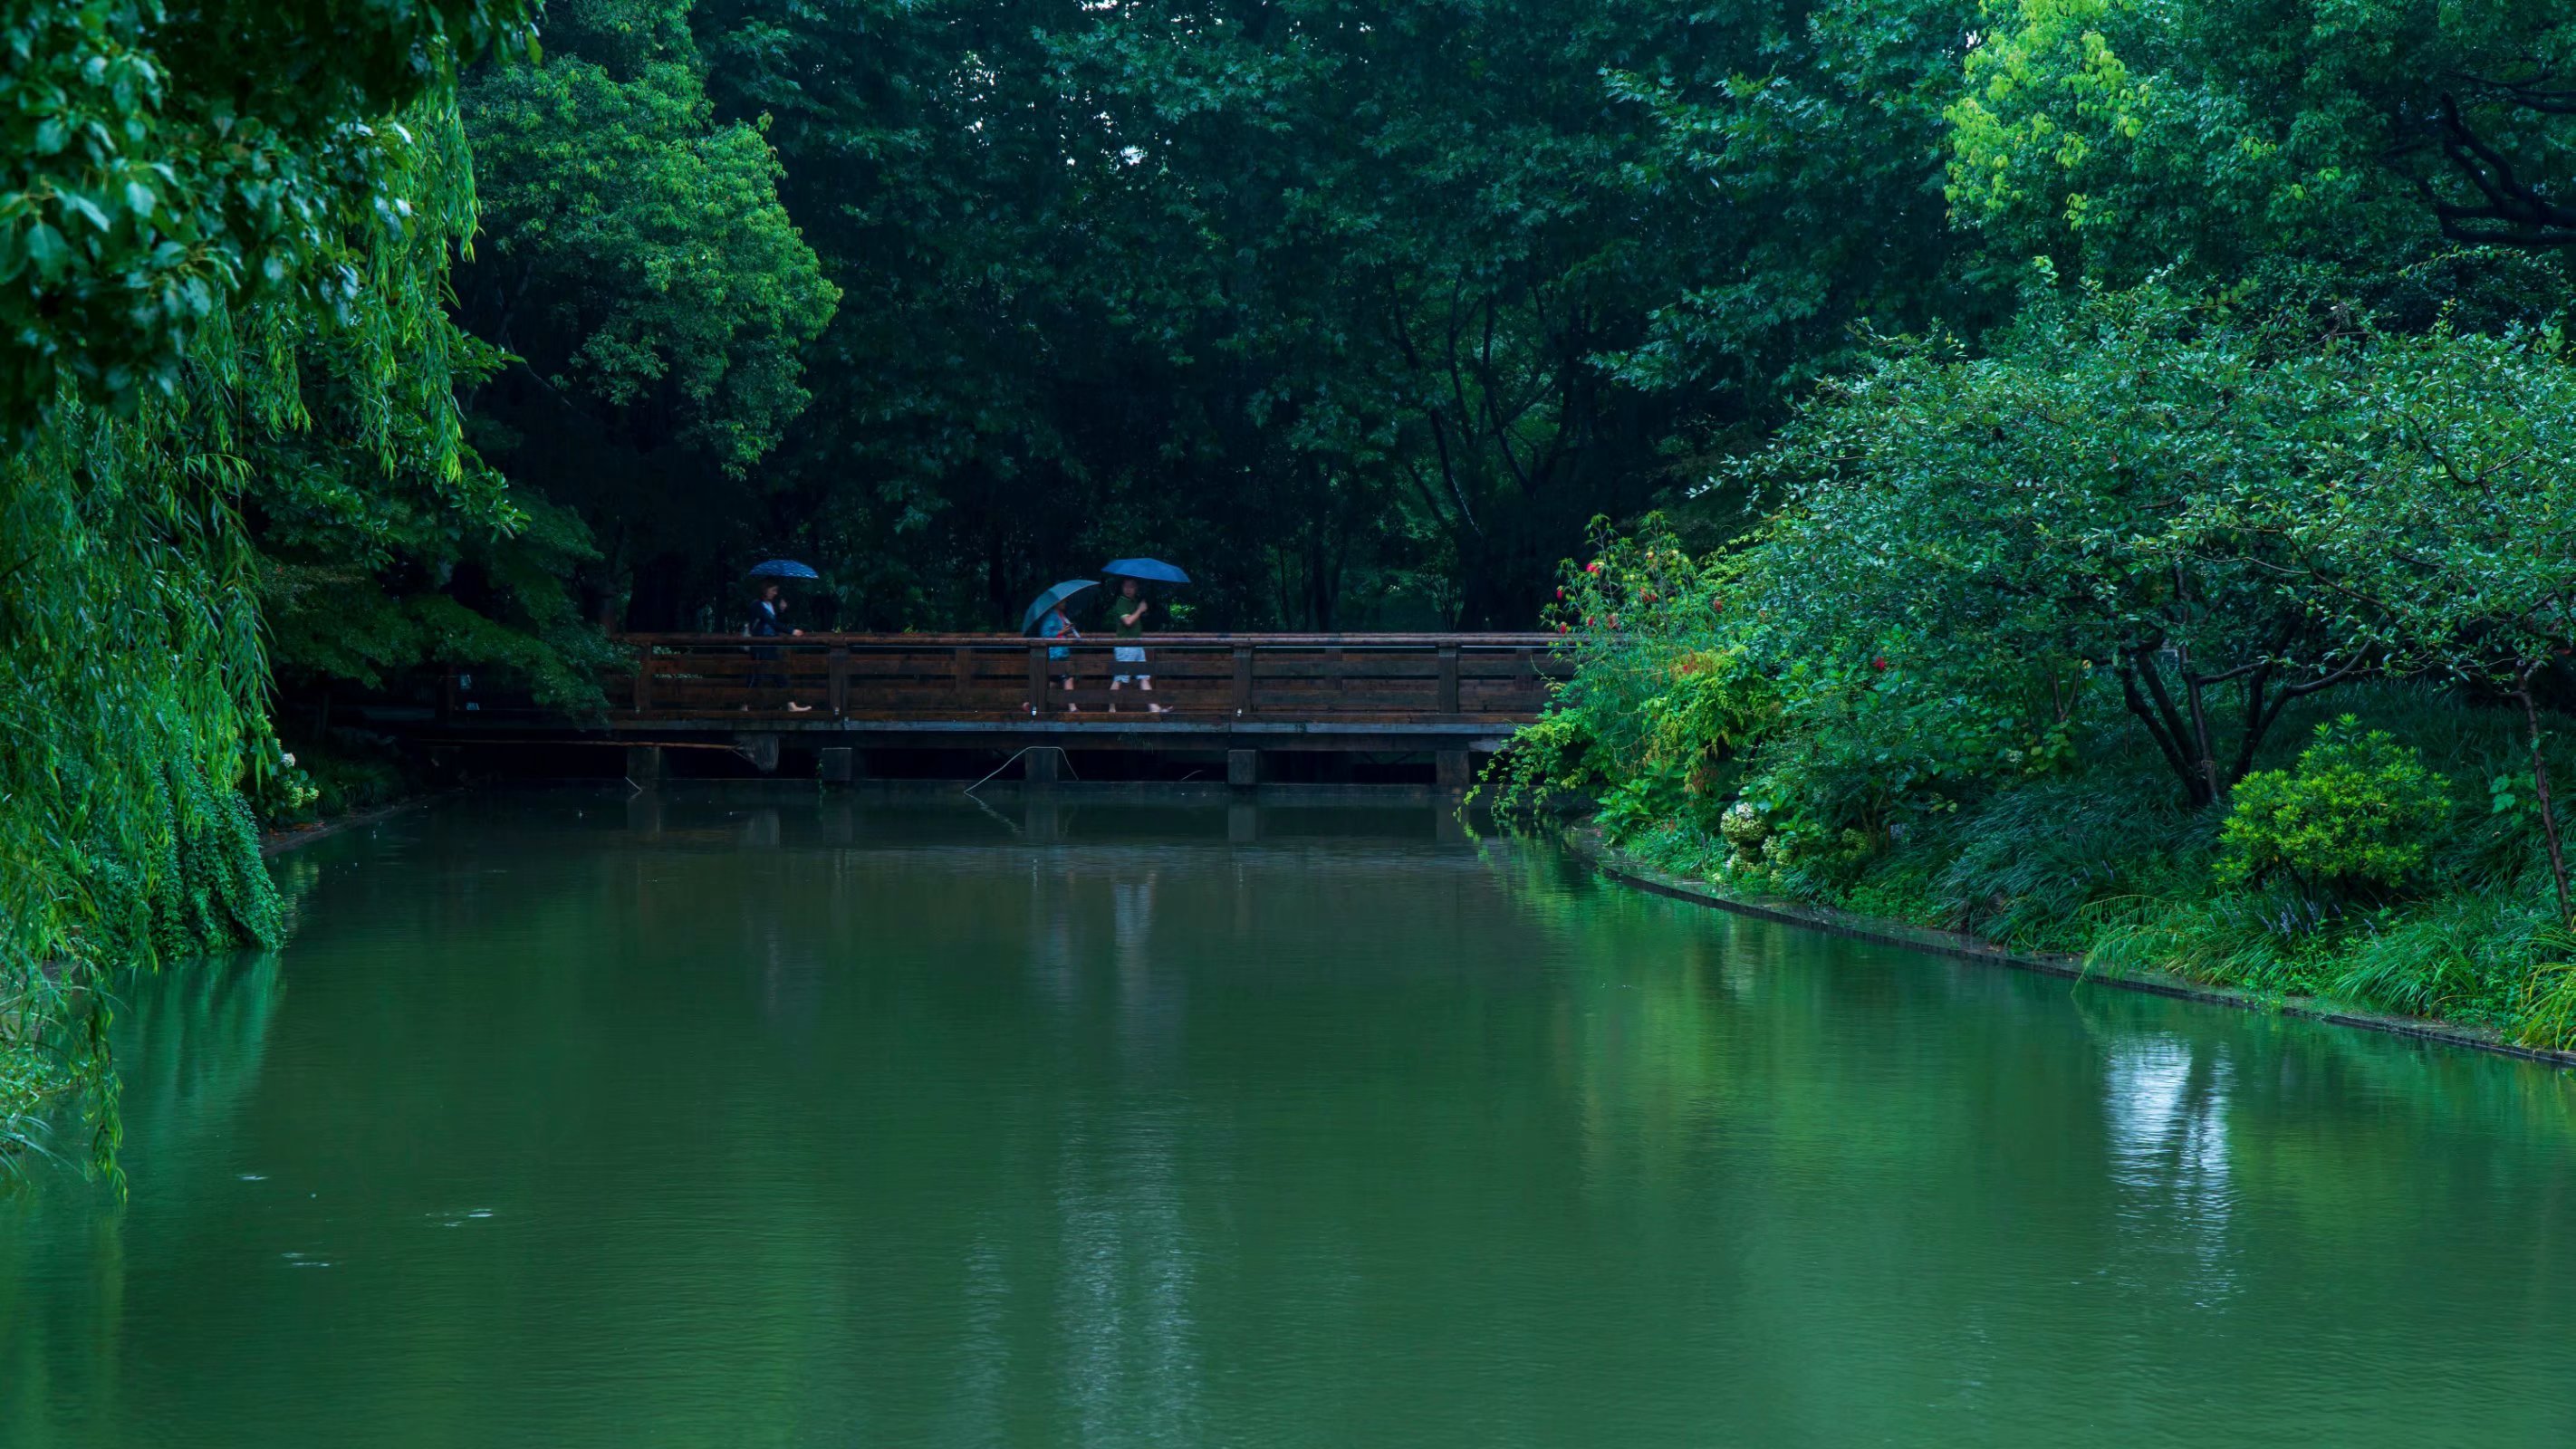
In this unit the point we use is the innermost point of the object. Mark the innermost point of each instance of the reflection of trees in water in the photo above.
(189, 1054)
(1120, 1140)
(1128, 1337)
(2166, 1106)
(1942, 1140)
(190, 1040)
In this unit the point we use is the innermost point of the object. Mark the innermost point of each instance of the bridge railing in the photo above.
(967, 676)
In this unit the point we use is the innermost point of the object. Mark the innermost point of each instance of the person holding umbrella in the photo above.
(768, 621)
(1128, 611)
(1046, 615)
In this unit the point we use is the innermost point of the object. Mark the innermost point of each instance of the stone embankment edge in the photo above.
(1620, 867)
(278, 842)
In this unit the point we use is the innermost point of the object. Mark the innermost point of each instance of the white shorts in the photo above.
(1130, 654)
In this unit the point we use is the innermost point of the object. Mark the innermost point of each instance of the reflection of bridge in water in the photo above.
(1442, 698)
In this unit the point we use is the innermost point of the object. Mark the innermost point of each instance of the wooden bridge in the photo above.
(1446, 697)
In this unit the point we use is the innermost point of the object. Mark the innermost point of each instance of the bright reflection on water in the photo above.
(779, 1119)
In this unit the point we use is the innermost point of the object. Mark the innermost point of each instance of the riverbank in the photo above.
(1634, 871)
(290, 837)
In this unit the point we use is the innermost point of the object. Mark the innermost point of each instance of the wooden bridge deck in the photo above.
(1447, 694)
(1314, 678)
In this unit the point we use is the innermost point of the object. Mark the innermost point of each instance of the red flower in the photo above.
(1565, 628)
(1587, 621)
(1593, 567)
(1878, 663)
(1560, 596)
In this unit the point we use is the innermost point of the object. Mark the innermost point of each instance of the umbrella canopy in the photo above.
(1151, 570)
(1051, 598)
(781, 568)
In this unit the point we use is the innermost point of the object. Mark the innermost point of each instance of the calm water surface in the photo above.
(727, 1119)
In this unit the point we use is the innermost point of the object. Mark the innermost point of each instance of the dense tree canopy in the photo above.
(1364, 309)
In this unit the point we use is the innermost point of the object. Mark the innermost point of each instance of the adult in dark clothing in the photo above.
(768, 621)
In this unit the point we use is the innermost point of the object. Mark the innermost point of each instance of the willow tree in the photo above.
(219, 227)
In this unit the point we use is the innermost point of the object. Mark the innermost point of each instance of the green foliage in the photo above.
(120, 830)
(2124, 138)
(1544, 759)
(1662, 709)
(2225, 511)
(167, 166)
(2354, 814)
(637, 247)
(248, 297)
(1366, 315)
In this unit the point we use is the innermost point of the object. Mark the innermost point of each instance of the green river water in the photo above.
(743, 1119)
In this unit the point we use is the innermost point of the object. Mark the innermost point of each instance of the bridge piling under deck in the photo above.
(1450, 770)
(644, 766)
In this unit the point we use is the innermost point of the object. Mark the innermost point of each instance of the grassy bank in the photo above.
(2099, 858)
(2103, 864)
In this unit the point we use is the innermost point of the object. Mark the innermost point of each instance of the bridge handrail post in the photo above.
(1448, 701)
(643, 678)
(837, 665)
(1243, 679)
(1037, 679)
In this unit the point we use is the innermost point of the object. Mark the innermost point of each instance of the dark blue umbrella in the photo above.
(781, 568)
(1051, 598)
(1151, 570)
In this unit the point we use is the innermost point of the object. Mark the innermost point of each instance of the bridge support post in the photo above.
(1243, 768)
(644, 814)
(1042, 764)
(1450, 772)
(837, 765)
(644, 766)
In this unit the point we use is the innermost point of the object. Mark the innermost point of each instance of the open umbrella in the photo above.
(781, 568)
(1051, 598)
(1151, 570)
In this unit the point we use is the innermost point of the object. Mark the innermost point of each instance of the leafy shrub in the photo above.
(1663, 706)
(2355, 814)
(1556, 752)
